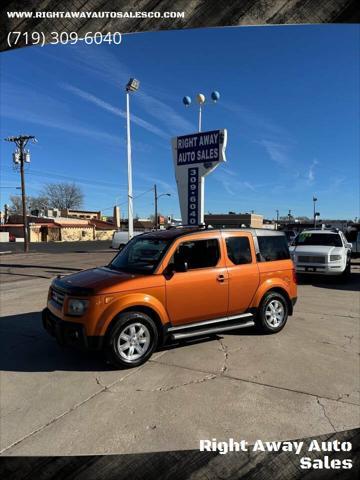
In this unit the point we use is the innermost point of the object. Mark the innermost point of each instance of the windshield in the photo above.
(140, 255)
(327, 239)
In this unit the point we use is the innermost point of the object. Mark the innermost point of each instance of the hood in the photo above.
(315, 249)
(95, 280)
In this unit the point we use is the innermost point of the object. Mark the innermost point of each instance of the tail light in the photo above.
(294, 275)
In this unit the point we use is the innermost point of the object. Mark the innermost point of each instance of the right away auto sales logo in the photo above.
(298, 447)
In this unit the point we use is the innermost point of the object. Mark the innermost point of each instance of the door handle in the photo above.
(220, 278)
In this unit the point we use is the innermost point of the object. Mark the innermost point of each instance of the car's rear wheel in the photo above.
(132, 340)
(273, 313)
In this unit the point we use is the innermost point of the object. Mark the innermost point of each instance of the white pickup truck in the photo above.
(325, 252)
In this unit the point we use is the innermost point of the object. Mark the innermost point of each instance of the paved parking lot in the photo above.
(302, 382)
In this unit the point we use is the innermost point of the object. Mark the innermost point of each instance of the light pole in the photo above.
(131, 86)
(20, 156)
(156, 197)
(277, 219)
(201, 101)
(289, 217)
(314, 201)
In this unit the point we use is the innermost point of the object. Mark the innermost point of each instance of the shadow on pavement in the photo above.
(52, 267)
(351, 283)
(26, 347)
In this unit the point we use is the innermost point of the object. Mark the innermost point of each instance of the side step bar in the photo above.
(211, 326)
(208, 331)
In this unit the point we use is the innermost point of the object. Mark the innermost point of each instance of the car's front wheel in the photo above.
(273, 313)
(347, 272)
(132, 340)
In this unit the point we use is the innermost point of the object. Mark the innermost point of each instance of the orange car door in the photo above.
(243, 270)
(201, 292)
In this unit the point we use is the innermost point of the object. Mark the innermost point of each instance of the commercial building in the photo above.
(84, 214)
(59, 229)
(234, 220)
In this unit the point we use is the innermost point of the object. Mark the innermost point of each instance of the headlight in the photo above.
(334, 258)
(77, 306)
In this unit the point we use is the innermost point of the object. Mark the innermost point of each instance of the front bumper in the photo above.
(324, 269)
(69, 333)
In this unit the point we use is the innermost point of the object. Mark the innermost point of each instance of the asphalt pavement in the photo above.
(301, 382)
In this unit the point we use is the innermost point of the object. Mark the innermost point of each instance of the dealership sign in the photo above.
(195, 156)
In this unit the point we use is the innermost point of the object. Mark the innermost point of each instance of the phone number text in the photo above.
(39, 38)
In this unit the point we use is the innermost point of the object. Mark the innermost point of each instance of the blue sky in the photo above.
(289, 99)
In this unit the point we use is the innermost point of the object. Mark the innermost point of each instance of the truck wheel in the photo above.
(347, 272)
(132, 340)
(273, 313)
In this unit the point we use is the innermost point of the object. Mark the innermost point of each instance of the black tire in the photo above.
(263, 322)
(347, 272)
(122, 326)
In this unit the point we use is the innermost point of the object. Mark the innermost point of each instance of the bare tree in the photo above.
(15, 207)
(32, 203)
(63, 195)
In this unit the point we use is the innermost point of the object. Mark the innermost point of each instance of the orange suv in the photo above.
(174, 284)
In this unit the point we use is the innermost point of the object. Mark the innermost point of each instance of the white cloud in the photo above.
(112, 109)
(311, 172)
(102, 63)
(278, 152)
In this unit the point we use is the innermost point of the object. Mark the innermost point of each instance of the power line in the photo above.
(134, 198)
(73, 179)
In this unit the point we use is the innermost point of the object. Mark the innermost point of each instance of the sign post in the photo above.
(195, 156)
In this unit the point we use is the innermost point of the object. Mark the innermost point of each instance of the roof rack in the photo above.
(198, 227)
(330, 229)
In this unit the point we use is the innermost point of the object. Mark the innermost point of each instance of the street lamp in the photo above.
(156, 197)
(201, 99)
(314, 200)
(131, 86)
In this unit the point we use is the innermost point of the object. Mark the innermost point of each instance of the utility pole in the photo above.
(289, 216)
(156, 208)
(277, 220)
(156, 197)
(20, 156)
(6, 212)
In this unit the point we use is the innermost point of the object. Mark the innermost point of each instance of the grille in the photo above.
(57, 296)
(311, 259)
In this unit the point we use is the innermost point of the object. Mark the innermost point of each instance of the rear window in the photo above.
(238, 250)
(273, 248)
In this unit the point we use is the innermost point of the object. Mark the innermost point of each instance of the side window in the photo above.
(238, 250)
(273, 247)
(198, 253)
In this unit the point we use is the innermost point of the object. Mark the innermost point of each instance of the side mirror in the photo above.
(121, 246)
(348, 245)
(181, 267)
(173, 268)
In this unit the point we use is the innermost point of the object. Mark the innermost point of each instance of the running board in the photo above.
(211, 326)
(210, 322)
(210, 331)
